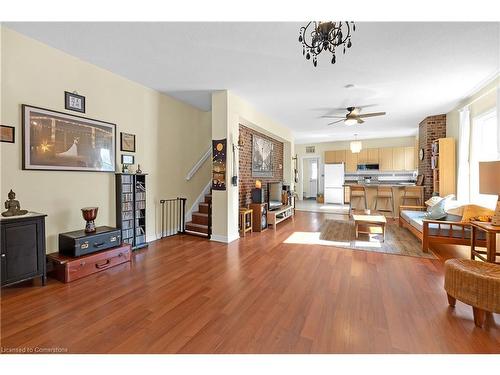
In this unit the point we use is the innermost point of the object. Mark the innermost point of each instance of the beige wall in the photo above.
(228, 111)
(170, 136)
(320, 148)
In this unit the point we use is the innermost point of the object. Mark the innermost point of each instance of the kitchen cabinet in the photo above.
(330, 157)
(409, 158)
(363, 156)
(351, 162)
(398, 158)
(340, 156)
(373, 155)
(386, 159)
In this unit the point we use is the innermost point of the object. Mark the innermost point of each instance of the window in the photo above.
(483, 147)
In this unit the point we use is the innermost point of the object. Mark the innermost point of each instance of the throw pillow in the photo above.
(473, 212)
(437, 211)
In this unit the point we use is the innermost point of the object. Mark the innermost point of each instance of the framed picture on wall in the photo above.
(127, 159)
(58, 141)
(74, 102)
(127, 142)
(7, 134)
(262, 157)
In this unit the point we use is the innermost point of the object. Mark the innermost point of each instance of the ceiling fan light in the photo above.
(355, 147)
(350, 121)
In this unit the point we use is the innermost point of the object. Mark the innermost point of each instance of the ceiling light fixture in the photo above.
(318, 36)
(350, 121)
(355, 145)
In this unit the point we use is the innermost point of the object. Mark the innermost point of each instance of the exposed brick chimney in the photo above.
(430, 129)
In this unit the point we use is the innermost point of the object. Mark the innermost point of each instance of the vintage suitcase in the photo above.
(79, 243)
(67, 269)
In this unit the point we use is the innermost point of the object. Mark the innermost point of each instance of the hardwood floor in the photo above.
(257, 295)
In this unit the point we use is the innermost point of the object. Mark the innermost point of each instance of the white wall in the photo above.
(170, 136)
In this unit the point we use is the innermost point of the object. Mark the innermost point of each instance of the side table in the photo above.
(491, 232)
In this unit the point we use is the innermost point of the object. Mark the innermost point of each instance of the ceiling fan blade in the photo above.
(372, 114)
(335, 122)
(360, 121)
(332, 116)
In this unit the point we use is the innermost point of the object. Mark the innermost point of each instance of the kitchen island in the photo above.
(383, 204)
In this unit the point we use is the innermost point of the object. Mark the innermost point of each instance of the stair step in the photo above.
(203, 207)
(200, 218)
(208, 198)
(193, 227)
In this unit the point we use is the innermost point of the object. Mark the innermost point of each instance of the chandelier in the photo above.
(317, 37)
(355, 145)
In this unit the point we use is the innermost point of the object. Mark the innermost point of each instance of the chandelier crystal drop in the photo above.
(318, 36)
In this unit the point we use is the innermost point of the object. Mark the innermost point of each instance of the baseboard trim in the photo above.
(224, 239)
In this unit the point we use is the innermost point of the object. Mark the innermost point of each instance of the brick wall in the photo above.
(430, 129)
(246, 181)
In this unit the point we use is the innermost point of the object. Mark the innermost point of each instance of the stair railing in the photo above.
(199, 163)
(173, 216)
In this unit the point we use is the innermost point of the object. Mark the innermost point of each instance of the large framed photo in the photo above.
(74, 102)
(262, 157)
(58, 141)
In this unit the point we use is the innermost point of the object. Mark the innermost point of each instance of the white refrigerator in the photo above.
(334, 183)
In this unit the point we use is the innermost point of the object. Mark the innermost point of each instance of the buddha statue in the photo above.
(13, 206)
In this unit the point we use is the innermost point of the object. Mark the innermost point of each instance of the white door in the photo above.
(313, 178)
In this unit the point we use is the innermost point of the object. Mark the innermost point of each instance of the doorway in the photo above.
(310, 178)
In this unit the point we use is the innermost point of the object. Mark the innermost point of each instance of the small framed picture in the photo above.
(7, 134)
(127, 159)
(127, 142)
(74, 102)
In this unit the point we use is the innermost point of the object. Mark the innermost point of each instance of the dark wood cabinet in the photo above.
(131, 208)
(23, 248)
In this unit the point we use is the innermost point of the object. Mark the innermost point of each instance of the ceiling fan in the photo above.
(353, 116)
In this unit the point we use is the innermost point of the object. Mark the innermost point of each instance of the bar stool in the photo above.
(413, 193)
(386, 193)
(359, 192)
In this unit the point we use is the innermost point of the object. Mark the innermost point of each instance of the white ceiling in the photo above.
(409, 70)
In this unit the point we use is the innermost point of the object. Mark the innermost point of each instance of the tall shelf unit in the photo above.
(131, 208)
(443, 166)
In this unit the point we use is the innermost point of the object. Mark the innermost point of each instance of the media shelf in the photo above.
(131, 208)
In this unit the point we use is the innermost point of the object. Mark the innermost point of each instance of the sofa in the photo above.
(449, 230)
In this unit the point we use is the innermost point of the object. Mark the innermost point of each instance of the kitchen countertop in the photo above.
(375, 184)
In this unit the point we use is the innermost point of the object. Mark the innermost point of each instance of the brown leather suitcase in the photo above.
(68, 269)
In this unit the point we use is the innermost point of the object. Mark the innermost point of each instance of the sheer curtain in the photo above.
(463, 193)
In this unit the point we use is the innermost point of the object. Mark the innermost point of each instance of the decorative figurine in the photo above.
(125, 168)
(13, 207)
(89, 214)
(138, 171)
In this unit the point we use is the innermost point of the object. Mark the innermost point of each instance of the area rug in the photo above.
(397, 240)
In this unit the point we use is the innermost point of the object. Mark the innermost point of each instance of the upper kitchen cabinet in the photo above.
(410, 158)
(398, 158)
(373, 156)
(386, 159)
(340, 156)
(363, 156)
(329, 157)
(351, 162)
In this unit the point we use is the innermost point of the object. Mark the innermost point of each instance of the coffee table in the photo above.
(369, 223)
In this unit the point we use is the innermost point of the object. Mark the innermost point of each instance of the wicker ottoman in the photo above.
(474, 283)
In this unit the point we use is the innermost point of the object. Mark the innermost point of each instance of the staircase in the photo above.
(201, 220)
